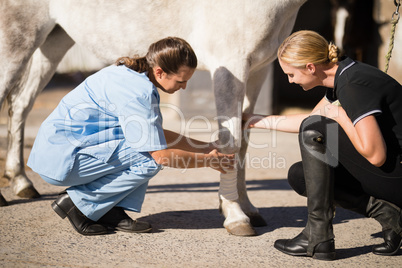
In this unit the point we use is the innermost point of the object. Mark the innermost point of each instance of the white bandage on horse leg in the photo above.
(228, 185)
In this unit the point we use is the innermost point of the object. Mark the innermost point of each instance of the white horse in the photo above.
(234, 39)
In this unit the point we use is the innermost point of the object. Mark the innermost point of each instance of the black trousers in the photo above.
(353, 173)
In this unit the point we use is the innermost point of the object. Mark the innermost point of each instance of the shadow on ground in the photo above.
(277, 217)
(252, 185)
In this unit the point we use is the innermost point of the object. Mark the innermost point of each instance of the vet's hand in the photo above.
(221, 162)
(212, 146)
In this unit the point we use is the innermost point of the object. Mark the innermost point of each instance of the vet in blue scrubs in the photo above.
(97, 141)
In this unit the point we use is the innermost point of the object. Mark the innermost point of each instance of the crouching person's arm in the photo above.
(177, 158)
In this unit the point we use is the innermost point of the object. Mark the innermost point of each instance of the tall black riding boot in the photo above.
(317, 238)
(390, 218)
(387, 214)
(355, 200)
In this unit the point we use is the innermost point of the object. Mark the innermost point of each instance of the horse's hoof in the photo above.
(28, 192)
(242, 229)
(257, 221)
(3, 202)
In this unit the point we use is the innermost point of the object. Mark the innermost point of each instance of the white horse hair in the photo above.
(234, 39)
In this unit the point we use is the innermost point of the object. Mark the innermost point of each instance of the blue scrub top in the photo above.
(112, 106)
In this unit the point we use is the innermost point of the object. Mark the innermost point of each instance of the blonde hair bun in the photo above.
(333, 53)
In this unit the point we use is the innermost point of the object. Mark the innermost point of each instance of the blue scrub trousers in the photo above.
(96, 186)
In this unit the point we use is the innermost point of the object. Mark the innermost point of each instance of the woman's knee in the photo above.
(315, 122)
(296, 178)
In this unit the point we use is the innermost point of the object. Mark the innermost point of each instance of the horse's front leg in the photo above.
(254, 84)
(229, 95)
(247, 207)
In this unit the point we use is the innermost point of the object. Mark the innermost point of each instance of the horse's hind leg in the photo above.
(39, 71)
(21, 33)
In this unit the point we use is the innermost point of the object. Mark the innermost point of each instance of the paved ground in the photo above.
(182, 205)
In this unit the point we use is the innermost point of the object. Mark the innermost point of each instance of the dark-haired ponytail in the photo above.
(138, 64)
(169, 53)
